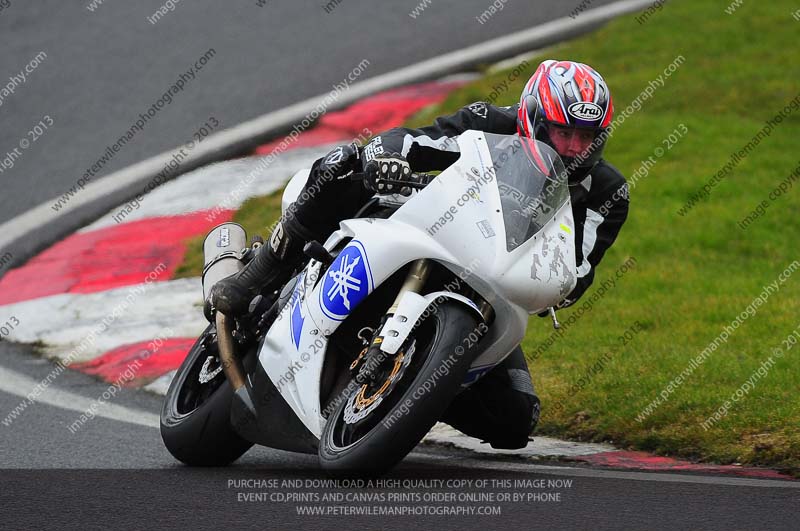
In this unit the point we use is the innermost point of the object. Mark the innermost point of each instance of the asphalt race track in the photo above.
(114, 473)
(103, 68)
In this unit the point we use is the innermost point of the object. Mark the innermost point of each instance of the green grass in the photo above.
(256, 215)
(694, 274)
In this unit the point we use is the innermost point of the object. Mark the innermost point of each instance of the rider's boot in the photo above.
(268, 270)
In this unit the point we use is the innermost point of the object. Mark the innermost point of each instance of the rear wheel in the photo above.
(195, 419)
(377, 424)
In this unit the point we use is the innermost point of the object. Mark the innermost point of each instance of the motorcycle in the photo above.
(404, 306)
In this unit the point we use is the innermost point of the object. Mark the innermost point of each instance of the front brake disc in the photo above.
(359, 406)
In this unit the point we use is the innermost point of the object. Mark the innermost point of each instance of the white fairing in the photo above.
(397, 328)
(294, 188)
(471, 241)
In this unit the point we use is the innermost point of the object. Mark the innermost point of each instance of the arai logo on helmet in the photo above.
(585, 110)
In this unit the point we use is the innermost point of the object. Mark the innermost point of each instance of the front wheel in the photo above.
(378, 424)
(195, 419)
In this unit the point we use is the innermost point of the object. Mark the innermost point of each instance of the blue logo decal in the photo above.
(347, 282)
(296, 318)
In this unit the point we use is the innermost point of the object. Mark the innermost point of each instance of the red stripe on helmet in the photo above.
(540, 71)
(552, 111)
(609, 113)
(585, 82)
(524, 119)
(531, 82)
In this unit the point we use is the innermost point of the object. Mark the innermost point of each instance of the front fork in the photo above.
(362, 368)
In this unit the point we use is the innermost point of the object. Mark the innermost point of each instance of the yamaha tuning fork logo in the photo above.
(347, 282)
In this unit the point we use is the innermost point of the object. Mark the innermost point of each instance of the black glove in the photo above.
(389, 166)
(340, 163)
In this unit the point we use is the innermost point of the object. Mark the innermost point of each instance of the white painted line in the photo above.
(160, 385)
(65, 322)
(220, 184)
(540, 447)
(31, 231)
(552, 470)
(20, 385)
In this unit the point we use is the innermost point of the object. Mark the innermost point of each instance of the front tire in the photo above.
(195, 419)
(373, 445)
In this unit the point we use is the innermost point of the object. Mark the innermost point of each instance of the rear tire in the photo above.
(195, 419)
(410, 410)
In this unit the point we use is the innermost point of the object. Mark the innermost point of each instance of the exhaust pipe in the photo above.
(231, 365)
(222, 252)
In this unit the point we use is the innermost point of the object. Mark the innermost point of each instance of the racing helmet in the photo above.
(567, 94)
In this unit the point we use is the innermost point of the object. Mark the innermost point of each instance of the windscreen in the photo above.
(532, 183)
